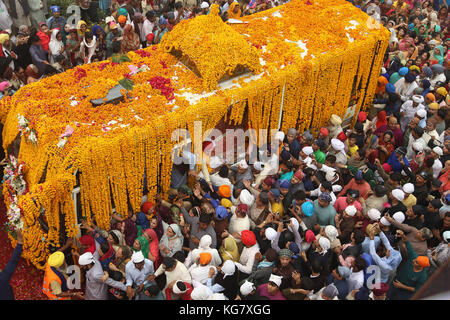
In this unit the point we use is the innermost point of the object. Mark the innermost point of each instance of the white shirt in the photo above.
(409, 111)
(437, 167)
(247, 259)
(200, 273)
(179, 273)
(404, 89)
(409, 150)
(194, 254)
(356, 280)
(147, 27)
(237, 225)
(135, 276)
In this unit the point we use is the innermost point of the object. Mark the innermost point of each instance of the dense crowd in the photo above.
(36, 42)
(347, 214)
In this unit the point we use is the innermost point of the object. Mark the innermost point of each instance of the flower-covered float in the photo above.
(297, 63)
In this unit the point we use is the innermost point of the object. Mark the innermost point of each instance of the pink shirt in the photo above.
(262, 291)
(341, 204)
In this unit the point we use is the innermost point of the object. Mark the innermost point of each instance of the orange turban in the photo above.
(224, 191)
(431, 96)
(205, 258)
(381, 84)
(423, 261)
(122, 19)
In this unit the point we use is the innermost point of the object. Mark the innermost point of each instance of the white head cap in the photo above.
(337, 144)
(398, 194)
(324, 243)
(446, 236)
(258, 165)
(308, 150)
(242, 164)
(399, 217)
(417, 146)
(204, 5)
(246, 288)
(270, 233)
(275, 279)
(137, 257)
(384, 222)
(438, 151)
(374, 214)
(246, 197)
(421, 113)
(85, 259)
(228, 268)
(201, 292)
(336, 188)
(351, 211)
(408, 188)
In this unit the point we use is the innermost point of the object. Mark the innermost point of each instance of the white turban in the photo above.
(398, 194)
(308, 150)
(177, 290)
(421, 113)
(417, 98)
(204, 5)
(351, 210)
(384, 222)
(215, 162)
(137, 257)
(275, 279)
(205, 242)
(295, 223)
(228, 268)
(438, 151)
(246, 288)
(85, 259)
(408, 188)
(337, 144)
(337, 188)
(374, 214)
(324, 243)
(399, 217)
(258, 165)
(335, 120)
(271, 234)
(417, 146)
(246, 197)
(331, 232)
(242, 164)
(201, 292)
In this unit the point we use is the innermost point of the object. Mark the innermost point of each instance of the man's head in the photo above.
(169, 264)
(292, 133)
(204, 221)
(424, 234)
(138, 260)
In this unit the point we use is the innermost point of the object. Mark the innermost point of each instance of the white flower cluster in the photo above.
(14, 218)
(24, 128)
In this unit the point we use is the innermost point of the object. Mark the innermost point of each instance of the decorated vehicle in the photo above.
(94, 139)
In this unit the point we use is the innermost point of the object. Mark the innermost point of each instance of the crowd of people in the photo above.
(36, 42)
(347, 214)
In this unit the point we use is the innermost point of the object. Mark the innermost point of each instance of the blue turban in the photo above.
(425, 84)
(409, 77)
(221, 212)
(55, 9)
(427, 71)
(285, 184)
(403, 71)
(294, 248)
(308, 208)
(390, 88)
(362, 294)
(411, 26)
(122, 12)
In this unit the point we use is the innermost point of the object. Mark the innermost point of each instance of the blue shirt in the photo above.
(54, 23)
